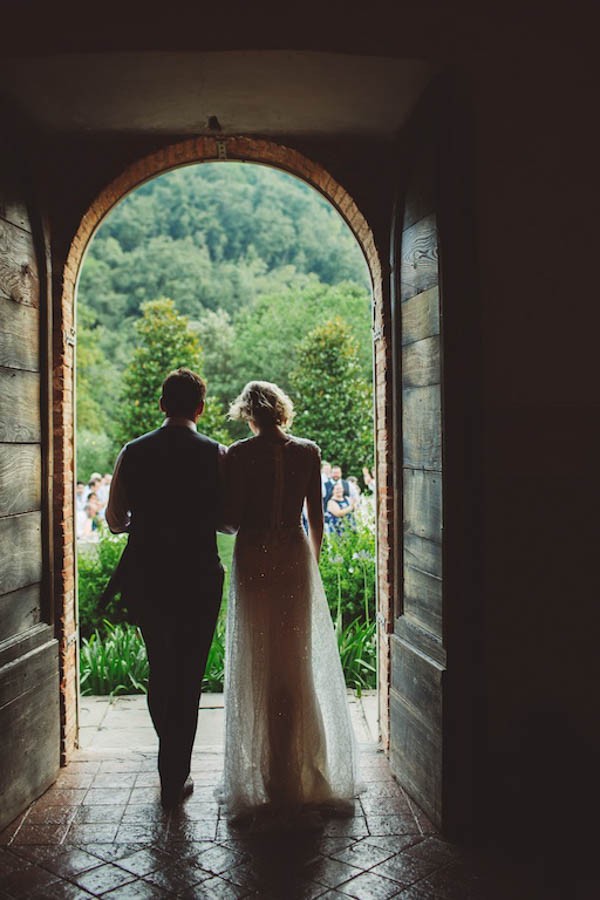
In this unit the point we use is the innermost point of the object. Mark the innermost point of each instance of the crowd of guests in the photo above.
(90, 504)
(343, 501)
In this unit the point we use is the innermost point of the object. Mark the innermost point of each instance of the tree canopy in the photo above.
(333, 399)
(252, 260)
(215, 236)
(165, 343)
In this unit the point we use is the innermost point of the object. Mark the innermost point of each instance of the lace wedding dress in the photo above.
(289, 745)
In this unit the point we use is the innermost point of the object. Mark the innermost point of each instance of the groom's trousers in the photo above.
(178, 638)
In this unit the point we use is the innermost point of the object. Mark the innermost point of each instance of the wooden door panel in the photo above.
(19, 280)
(421, 317)
(423, 599)
(12, 207)
(30, 715)
(19, 611)
(416, 725)
(435, 349)
(19, 336)
(21, 561)
(422, 554)
(29, 678)
(422, 504)
(20, 419)
(417, 653)
(422, 428)
(20, 478)
(419, 260)
(421, 362)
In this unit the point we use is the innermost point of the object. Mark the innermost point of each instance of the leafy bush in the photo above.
(334, 401)
(95, 453)
(358, 653)
(95, 564)
(113, 655)
(214, 674)
(347, 568)
(114, 662)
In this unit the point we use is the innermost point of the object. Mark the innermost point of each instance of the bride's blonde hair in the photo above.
(264, 403)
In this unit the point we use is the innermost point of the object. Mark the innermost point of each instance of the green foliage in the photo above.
(225, 545)
(358, 654)
(95, 565)
(95, 453)
(113, 656)
(269, 332)
(347, 567)
(333, 400)
(114, 662)
(91, 366)
(210, 236)
(214, 674)
(165, 342)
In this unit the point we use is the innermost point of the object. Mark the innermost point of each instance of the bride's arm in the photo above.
(314, 507)
(231, 491)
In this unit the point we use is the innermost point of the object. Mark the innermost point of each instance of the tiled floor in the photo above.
(100, 831)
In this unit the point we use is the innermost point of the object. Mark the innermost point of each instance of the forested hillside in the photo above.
(254, 258)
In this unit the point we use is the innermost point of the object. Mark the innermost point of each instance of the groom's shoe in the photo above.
(170, 799)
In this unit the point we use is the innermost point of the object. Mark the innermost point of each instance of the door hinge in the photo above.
(70, 337)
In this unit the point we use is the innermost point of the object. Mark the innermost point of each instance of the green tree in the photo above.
(216, 334)
(333, 400)
(165, 341)
(210, 236)
(269, 331)
(91, 365)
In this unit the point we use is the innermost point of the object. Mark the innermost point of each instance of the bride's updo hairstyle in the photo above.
(264, 403)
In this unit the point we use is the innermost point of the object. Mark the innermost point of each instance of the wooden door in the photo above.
(434, 646)
(29, 684)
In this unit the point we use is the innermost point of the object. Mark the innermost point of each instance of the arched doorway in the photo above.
(186, 153)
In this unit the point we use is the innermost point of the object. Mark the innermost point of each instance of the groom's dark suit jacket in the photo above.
(170, 481)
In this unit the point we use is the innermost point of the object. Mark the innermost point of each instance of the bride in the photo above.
(289, 746)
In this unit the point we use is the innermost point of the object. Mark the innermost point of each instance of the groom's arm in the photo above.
(118, 515)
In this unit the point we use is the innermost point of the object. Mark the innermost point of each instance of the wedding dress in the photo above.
(289, 745)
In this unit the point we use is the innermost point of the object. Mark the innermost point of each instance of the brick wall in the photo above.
(200, 150)
(63, 513)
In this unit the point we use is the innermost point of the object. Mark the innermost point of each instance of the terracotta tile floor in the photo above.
(100, 832)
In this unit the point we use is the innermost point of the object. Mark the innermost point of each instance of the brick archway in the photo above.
(193, 151)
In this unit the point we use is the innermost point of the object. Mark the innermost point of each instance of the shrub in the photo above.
(114, 662)
(347, 568)
(113, 655)
(358, 653)
(214, 674)
(95, 565)
(334, 402)
(95, 453)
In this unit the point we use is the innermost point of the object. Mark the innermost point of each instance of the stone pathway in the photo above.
(100, 831)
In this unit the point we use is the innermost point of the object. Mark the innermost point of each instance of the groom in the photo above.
(165, 494)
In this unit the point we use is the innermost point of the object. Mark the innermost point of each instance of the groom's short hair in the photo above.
(183, 391)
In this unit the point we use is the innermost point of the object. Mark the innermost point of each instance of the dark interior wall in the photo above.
(534, 173)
